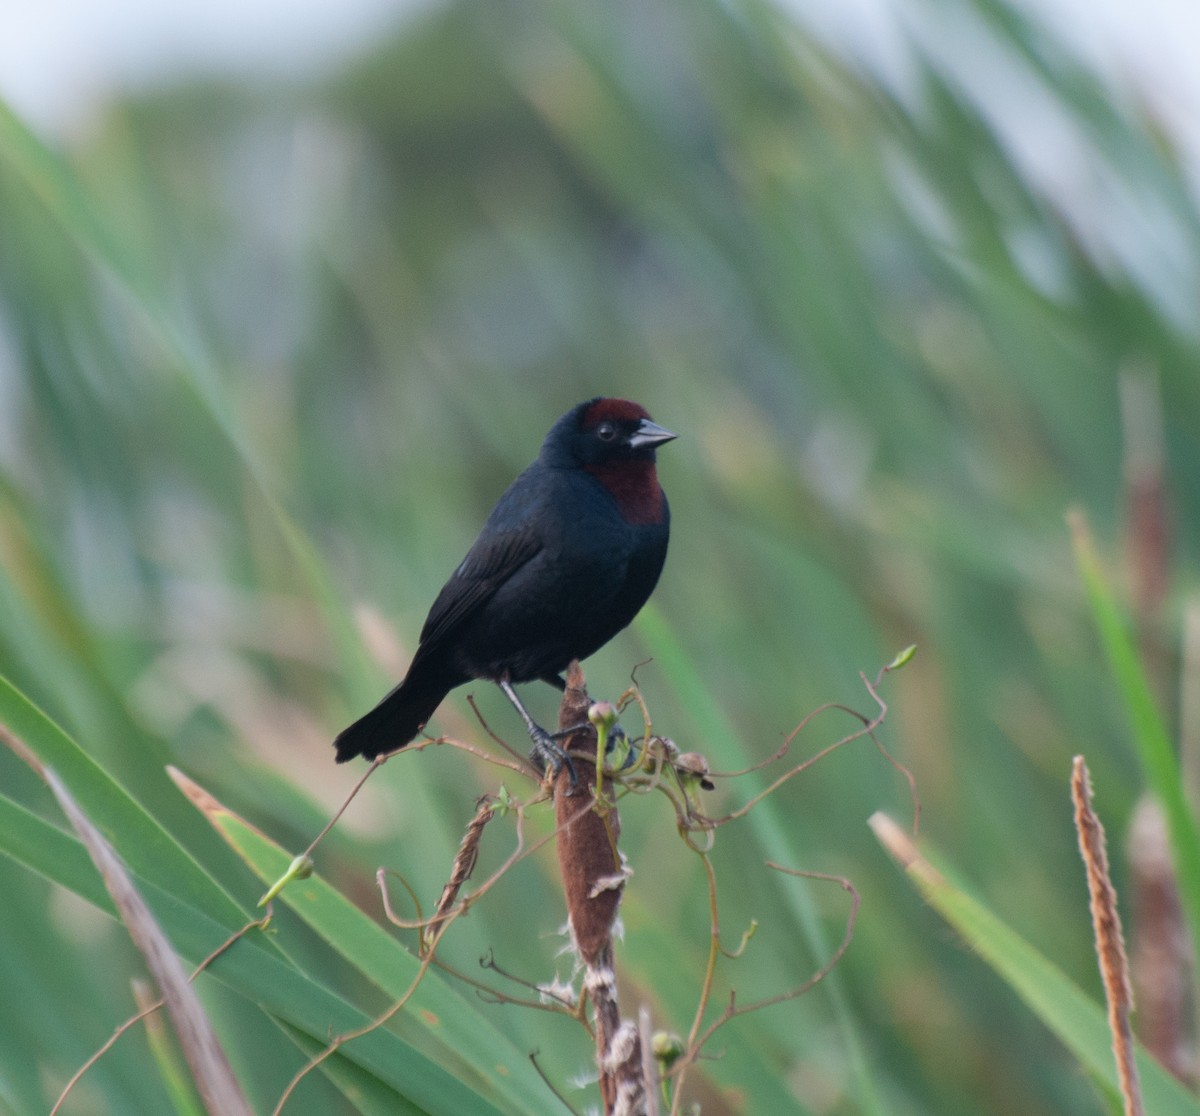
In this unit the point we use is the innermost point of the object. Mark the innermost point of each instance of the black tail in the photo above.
(396, 719)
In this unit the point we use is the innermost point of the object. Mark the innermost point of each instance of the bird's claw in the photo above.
(548, 755)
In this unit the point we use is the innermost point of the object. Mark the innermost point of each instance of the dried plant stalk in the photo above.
(1110, 945)
(212, 1073)
(593, 880)
(464, 864)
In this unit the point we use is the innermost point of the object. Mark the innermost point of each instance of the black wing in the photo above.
(493, 559)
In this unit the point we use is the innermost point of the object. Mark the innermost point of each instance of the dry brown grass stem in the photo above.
(593, 876)
(1110, 944)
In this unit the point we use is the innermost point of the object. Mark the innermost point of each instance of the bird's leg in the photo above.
(546, 753)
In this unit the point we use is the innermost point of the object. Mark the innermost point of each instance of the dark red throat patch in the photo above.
(634, 485)
(613, 410)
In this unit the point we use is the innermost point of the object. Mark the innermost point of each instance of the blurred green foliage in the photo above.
(269, 353)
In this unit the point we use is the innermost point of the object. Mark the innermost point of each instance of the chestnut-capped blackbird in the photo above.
(566, 559)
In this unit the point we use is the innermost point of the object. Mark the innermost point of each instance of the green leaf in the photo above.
(198, 916)
(145, 846)
(1152, 741)
(435, 1017)
(1079, 1022)
(714, 726)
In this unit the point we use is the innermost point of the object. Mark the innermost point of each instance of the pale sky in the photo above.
(61, 60)
(58, 56)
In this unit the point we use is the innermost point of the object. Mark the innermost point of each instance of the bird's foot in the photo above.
(548, 755)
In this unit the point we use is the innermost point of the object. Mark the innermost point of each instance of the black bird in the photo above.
(566, 559)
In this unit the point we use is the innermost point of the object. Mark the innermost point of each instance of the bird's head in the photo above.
(614, 440)
(603, 432)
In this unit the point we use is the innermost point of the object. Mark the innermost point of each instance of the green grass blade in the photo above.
(144, 845)
(1080, 1023)
(195, 912)
(1152, 741)
(253, 970)
(711, 724)
(51, 180)
(436, 1016)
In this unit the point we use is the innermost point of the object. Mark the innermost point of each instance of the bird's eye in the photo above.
(606, 431)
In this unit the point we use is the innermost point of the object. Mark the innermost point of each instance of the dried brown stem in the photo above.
(1110, 945)
(219, 1089)
(464, 863)
(593, 876)
(587, 834)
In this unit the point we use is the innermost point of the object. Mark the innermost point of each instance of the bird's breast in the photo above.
(634, 486)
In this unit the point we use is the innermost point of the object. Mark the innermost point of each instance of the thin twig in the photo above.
(522, 764)
(698, 1039)
(533, 1057)
(376, 763)
(150, 1009)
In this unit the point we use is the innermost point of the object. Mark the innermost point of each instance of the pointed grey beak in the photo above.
(650, 434)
